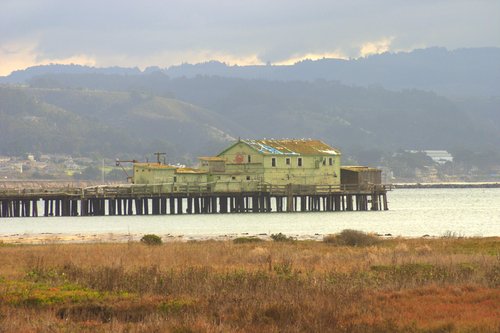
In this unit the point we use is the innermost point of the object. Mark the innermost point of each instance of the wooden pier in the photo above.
(188, 199)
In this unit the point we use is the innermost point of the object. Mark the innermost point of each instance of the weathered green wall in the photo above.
(245, 168)
(238, 154)
(153, 174)
(312, 171)
(148, 174)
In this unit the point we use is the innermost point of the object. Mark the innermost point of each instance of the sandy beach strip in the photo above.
(62, 238)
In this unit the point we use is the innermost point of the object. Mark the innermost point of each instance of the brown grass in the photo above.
(399, 285)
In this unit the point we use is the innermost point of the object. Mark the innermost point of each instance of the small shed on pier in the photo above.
(360, 175)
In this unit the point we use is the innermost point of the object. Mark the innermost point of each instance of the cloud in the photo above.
(21, 55)
(376, 47)
(169, 58)
(144, 33)
(311, 56)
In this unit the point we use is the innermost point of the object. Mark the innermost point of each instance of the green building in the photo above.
(248, 164)
(168, 178)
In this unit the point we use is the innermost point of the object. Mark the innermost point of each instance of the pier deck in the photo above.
(188, 199)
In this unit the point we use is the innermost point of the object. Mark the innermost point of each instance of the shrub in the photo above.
(281, 238)
(331, 239)
(350, 237)
(151, 239)
(452, 235)
(243, 240)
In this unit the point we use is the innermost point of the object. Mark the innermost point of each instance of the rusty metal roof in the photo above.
(211, 158)
(190, 170)
(292, 147)
(154, 165)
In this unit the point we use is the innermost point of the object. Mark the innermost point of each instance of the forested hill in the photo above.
(462, 72)
(424, 99)
(473, 72)
(112, 124)
(187, 117)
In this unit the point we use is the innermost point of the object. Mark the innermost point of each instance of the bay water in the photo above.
(412, 213)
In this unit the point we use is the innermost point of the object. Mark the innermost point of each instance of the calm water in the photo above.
(414, 213)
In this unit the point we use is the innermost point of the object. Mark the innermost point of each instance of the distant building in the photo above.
(439, 156)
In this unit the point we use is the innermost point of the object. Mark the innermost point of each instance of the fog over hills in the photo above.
(455, 73)
(469, 72)
(425, 99)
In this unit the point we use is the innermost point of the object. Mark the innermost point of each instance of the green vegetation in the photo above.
(279, 237)
(81, 123)
(245, 240)
(350, 237)
(151, 239)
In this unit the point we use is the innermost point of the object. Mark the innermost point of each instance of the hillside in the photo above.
(368, 107)
(456, 73)
(349, 117)
(473, 72)
(208, 111)
(82, 122)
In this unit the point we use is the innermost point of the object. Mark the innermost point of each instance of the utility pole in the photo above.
(158, 154)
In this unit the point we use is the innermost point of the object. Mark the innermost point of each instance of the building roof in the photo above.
(190, 170)
(154, 165)
(292, 147)
(358, 168)
(439, 156)
(211, 158)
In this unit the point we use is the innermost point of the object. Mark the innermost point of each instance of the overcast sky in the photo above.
(152, 32)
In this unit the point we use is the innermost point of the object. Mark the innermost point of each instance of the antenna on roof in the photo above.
(158, 154)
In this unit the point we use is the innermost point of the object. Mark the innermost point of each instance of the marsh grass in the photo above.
(395, 285)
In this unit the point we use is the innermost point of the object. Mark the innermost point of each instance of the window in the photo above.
(299, 161)
(233, 178)
(330, 161)
(248, 177)
(273, 162)
(249, 159)
(324, 161)
(175, 179)
(287, 161)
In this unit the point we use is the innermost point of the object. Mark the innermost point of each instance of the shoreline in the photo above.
(113, 238)
(62, 238)
(446, 185)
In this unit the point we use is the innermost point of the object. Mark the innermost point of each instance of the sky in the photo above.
(142, 33)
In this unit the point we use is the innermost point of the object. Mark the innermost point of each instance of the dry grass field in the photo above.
(448, 284)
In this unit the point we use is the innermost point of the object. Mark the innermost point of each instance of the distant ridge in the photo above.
(22, 76)
(456, 73)
(82, 110)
